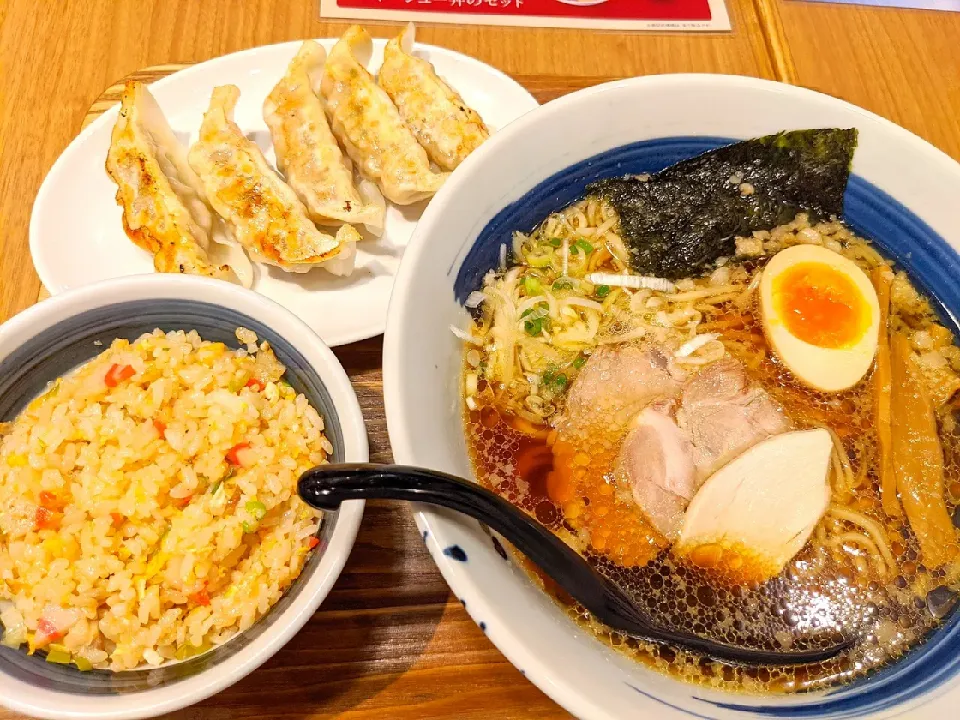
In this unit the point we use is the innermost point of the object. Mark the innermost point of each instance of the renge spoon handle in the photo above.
(326, 486)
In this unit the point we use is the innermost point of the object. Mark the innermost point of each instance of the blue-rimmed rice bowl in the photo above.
(55, 336)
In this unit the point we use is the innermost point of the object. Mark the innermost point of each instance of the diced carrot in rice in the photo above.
(161, 518)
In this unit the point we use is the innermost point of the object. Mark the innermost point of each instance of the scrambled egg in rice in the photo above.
(148, 502)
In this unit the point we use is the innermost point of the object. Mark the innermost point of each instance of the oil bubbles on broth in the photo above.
(814, 596)
(862, 572)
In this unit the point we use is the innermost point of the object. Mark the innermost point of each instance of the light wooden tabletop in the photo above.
(390, 641)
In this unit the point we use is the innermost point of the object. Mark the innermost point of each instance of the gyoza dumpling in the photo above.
(265, 215)
(164, 211)
(307, 152)
(369, 126)
(440, 120)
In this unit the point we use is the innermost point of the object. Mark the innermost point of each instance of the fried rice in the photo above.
(148, 504)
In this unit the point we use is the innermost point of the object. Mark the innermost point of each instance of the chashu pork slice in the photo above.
(617, 382)
(725, 413)
(164, 209)
(656, 461)
(671, 447)
(751, 517)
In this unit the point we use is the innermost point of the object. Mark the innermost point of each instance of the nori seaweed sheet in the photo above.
(681, 219)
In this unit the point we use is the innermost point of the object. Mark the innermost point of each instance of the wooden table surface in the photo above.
(390, 641)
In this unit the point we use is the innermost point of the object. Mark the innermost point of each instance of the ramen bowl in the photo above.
(902, 194)
(57, 335)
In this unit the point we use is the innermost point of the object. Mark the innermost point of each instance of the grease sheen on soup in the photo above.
(880, 564)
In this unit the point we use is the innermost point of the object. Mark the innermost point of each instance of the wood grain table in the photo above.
(390, 641)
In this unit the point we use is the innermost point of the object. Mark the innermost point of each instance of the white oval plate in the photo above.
(76, 233)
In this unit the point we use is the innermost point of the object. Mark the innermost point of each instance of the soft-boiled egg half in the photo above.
(821, 316)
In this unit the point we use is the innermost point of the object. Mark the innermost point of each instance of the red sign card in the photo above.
(607, 14)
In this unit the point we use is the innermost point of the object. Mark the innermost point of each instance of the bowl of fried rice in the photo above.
(153, 549)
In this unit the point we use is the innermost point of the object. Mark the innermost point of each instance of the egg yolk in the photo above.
(820, 305)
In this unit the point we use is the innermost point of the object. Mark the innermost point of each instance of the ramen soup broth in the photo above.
(864, 572)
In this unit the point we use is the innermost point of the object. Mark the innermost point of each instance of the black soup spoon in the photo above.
(326, 486)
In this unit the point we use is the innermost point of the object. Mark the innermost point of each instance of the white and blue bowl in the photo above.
(57, 335)
(904, 194)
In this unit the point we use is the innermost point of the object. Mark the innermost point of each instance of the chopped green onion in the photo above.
(540, 310)
(285, 384)
(556, 242)
(602, 291)
(584, 245)
(256, 509)
(231, 471)
(552, 378)
(539, 261)
(83, 665)
(61, 657)
(536, 319)
(563, 284)
(536, 327)
(580, 362)
(532, 285)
